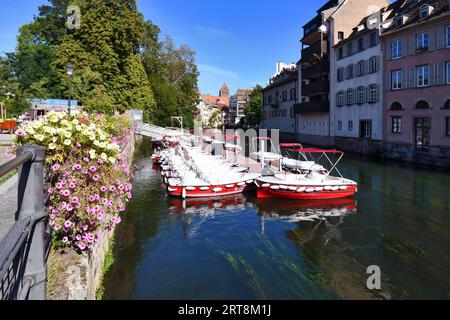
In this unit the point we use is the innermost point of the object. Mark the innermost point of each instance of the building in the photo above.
(416, 46)
(279, 98)
(237, 104)
(39, 107)
(210, 104)
(333, 22)
(357, 113)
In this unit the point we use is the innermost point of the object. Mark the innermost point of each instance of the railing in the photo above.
(24, 249)
(312, 107)
(315, 51)
(316, 70)
(315, 88)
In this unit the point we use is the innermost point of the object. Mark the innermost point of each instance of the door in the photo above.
(422, 132)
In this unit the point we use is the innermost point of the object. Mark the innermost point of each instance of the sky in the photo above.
(236, 41)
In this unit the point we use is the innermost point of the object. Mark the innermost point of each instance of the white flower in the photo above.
(68, 134)
(52, 146)
(75, 122)
(92, 154)
(112, 160)
(67, 142)
(104, 156)
(39, 137)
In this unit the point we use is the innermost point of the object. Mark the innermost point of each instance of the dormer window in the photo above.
(399, 21)
(424, 11)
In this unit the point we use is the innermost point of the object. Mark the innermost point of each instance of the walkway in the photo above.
(8, 190)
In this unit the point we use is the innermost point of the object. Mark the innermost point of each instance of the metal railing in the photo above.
(23, 250)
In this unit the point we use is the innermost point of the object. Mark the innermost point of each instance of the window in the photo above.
(448, 72)
(293, 94)
(340, 98)
(396, 49)
(341, 35)
(292, 113)
(360, 68)
(423, 76)
(448, 37)
(350, 126)
(447, 126)
(397, 125)
(422, 41)
(422, 130)
(277, 97)
(340, 125)
(399, 21)
(373, 39)
(350, 95)
(422, 104)
(360, 95)
(396, 106)
(285, 95)
(424, 11)
(340, 74)
(373, 64)
(373, 93)
(360, 44)
(396, 79)
(349, 71)
(447, 104)
(349, 49)
(340, 53)
(365, 129)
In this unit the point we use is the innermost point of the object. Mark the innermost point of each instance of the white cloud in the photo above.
(209, 70)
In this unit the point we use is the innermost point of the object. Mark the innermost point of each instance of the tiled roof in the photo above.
(411, 11)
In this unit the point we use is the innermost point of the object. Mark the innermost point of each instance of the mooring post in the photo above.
(31, 205)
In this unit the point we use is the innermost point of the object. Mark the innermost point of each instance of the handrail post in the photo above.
(31, 204)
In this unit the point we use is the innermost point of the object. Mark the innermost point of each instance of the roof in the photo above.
(285, 77)
(411, 11)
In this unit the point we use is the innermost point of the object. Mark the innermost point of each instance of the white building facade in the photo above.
(279, 98)
(357, 108)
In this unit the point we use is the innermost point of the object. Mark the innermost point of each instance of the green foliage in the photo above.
(253, 110)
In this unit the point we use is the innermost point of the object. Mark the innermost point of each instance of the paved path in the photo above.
(8, 205)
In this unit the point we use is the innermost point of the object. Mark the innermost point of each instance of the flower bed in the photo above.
(89, 179)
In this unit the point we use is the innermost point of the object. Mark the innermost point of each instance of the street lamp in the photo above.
(70, 69)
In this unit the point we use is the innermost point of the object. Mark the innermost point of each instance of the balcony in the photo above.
(315, 51)
(315, 88)
(316, 70)
(322, 106)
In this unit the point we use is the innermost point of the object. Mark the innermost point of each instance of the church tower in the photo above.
(224, 91)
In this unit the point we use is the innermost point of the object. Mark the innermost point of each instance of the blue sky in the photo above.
(237, 42)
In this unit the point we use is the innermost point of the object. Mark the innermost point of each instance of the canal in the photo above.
(242, 248)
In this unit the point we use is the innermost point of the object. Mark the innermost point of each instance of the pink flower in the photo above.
(77, 167)
(78, 237)
(85, 171)
(81, 245)
(74, 199)
(118, 182)
(86, 160)
(129, 196)
(59, 186)
(88, 209)
(92, 169)
(103, 189)
(67, 224)
(52, 216)
(91, 198)
(96, 177)
(100, 161)
(97, 197)
(90, 238)
(69, 208)
(65, 240)
(50, 190)
(78, 145)
(57, 227)
(100, 215)
(20, 133)
(72, 185)
(66, 193)
(121, 187)
(51, 223)
(112, 188)
(97, 209)
(85, 228)
(105, 202)
(56, 167)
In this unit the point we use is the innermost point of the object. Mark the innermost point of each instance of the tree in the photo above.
(10, 93)
(253, 109)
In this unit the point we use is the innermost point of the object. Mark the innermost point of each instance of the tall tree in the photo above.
(253, 110)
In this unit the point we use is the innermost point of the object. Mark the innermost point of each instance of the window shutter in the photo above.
(404, 79)
(378, 59)
(431, 44)
(440, 73)
(388, 81)
(366, 42)
(440, 40)
(404, 47)
(412, 44)
(367, 94)
(367, 67)
(432, 73)
(337, 99)
(378, 93)
(389, 51)
(412, 77)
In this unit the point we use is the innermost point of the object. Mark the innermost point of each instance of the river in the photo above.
(244, 248)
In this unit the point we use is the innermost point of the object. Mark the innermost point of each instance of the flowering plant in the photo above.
(90, 185)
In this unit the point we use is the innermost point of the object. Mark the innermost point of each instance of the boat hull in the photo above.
(268, 192)
(209, 191)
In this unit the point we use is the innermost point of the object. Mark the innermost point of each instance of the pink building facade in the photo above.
(416, 54)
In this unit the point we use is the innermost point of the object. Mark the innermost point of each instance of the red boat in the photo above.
(310, 181)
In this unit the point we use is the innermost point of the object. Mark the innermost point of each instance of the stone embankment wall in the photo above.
(84, 275)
